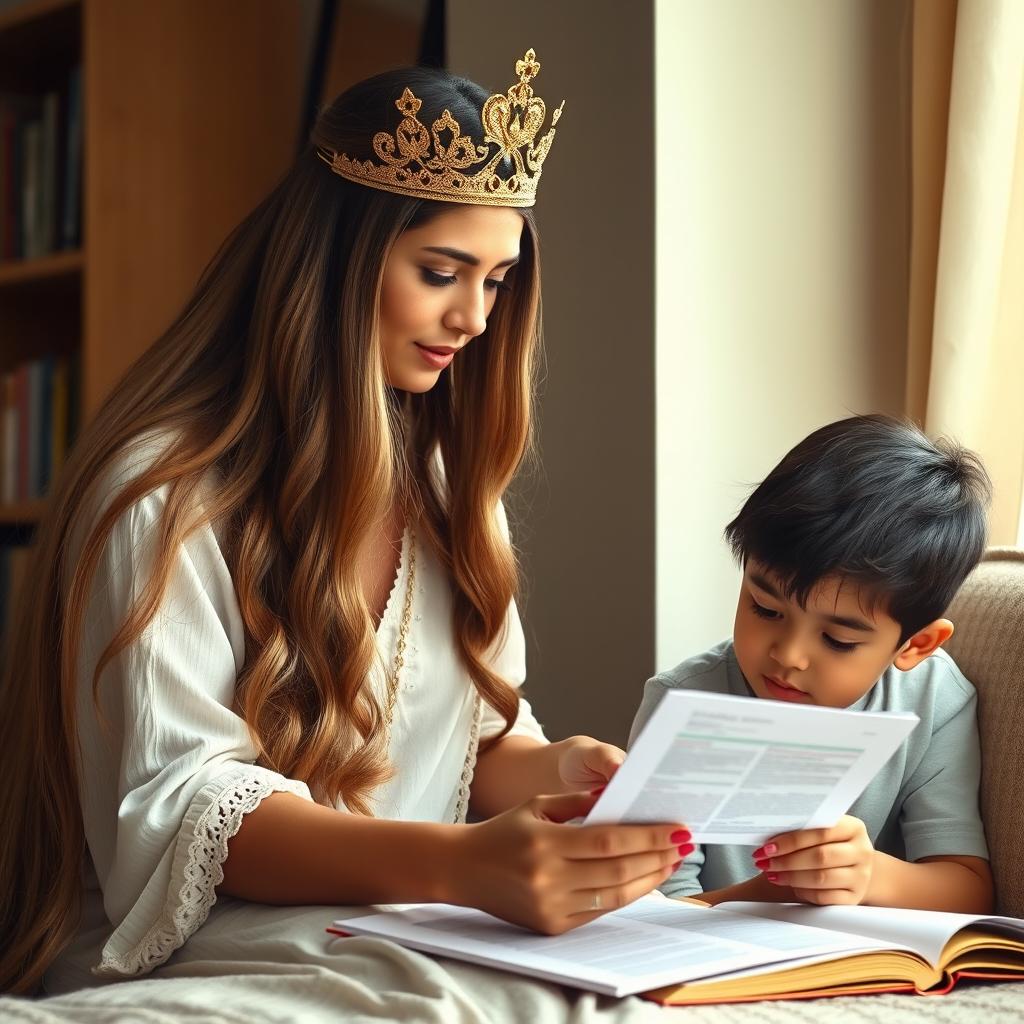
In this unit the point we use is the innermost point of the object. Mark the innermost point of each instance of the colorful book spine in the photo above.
(9, 474)
(37, 422)
(71, 232)
(46, 213)
(41, 171)
(23, 392)
(60, 433)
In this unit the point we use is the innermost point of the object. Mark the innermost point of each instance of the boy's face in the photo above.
(829, 653)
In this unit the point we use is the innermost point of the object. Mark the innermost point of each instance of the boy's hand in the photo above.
(821, 865)
(586, 763)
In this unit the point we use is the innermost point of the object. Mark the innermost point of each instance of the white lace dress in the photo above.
(169, 773)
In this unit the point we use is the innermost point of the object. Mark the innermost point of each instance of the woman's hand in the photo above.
(527, 867)
(586, 763)
(821, 865)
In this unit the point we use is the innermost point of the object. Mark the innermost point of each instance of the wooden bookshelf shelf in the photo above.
(37, 37)
(31, 12)
(29, 512)
(56, 265)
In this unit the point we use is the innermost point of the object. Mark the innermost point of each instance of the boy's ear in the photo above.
(923, 644)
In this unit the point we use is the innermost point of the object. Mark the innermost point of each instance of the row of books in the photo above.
(13, 568)
(38, 414)
(41, 171)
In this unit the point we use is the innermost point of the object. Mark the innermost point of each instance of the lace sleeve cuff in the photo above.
(181, 892)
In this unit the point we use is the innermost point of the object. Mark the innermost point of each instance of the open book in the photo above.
(677, 953)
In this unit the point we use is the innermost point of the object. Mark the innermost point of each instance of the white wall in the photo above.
(781, 261)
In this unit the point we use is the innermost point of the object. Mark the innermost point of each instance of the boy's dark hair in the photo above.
(874, 500)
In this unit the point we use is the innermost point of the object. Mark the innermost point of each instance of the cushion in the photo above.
(988, 645)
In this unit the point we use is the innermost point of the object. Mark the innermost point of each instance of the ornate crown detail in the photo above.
(433, 164)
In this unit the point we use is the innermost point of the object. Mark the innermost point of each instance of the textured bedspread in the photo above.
(249, 965)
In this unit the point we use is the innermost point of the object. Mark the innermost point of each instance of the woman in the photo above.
(286, 649)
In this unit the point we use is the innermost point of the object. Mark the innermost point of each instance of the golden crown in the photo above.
(418, 162)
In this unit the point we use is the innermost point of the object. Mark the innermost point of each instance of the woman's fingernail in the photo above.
(770, 848)
(685, 849)
(762, 864)
(772, 878)
(680, 836)
(598, 791)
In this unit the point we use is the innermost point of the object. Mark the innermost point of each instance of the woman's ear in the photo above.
(923, 644)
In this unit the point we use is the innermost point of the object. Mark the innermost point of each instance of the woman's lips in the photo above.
(436, 358)
(778, 691)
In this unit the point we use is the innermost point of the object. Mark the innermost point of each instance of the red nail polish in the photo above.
(762, 864)
(772, 878)
(680, 836)
(598, 791)
(685, 849)
(675, 867)
(770, 848)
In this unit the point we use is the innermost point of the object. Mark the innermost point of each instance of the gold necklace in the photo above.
(403, 635)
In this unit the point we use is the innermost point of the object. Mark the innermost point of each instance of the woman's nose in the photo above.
(468, 313)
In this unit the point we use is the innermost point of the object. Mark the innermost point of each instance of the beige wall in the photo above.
(779, 258)
(781, 261)
(586, 522)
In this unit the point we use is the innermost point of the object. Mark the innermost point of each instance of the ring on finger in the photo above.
(595, 903)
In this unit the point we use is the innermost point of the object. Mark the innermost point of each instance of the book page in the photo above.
(653, 942)
(926, 932)
(738, 770)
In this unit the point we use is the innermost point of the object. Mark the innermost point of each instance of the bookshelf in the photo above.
(21, 512)
(189, 112)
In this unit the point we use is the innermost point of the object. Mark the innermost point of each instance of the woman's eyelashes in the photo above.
(436, 280)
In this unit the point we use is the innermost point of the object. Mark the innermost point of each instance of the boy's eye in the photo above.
(762, 612)
(838, 645)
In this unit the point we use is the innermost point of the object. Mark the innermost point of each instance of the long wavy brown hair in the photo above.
(271, 382)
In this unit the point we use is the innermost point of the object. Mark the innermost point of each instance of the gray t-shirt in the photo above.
(924, 801)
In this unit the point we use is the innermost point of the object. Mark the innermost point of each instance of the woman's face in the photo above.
(440, 284)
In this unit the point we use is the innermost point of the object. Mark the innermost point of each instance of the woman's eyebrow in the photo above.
(465, 257)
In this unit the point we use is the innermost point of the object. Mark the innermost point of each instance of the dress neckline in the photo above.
(397, 585)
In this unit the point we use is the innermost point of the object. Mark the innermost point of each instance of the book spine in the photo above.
(17, 175)
(10, 453)
(74, 396)
(6, 179)
(31, 141)
(47, 241)
(46, 371)
(59, 425)
(24, 429)
(71, 230)
(5, 589)
(35, 429)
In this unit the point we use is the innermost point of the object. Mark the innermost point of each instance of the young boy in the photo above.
(852, 549)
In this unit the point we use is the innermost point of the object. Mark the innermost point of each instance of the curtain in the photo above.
(965, 367)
